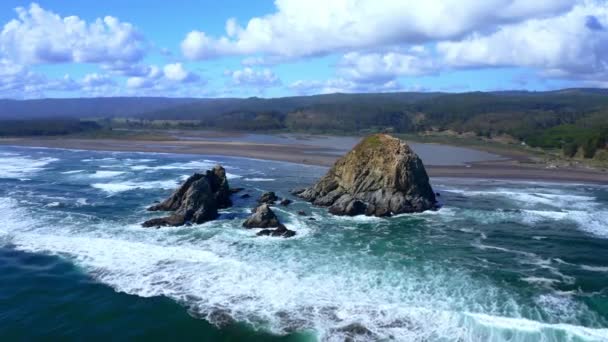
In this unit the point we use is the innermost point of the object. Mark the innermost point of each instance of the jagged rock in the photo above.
(355, 332)
(196, 200)
(268, 197)
(285, 202)
(280, 231)
(262, 217)
(381, 176)
(297, 190)
(302, 213)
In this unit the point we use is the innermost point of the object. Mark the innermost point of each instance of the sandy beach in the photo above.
(440, 160)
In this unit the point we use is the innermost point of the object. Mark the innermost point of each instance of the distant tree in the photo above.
(570, 149)
(590, 147)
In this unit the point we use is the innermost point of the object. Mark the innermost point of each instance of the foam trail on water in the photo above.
(18, 166)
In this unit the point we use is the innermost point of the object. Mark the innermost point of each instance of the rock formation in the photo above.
(381, 176)
(268, 197)
(280, 231)
(262, 217)
(195, 201)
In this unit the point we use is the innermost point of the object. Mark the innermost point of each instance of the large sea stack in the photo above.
(195, 201)
(381, 176)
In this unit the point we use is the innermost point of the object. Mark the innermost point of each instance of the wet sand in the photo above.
(440, 160)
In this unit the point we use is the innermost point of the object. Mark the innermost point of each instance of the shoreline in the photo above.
(508, 169)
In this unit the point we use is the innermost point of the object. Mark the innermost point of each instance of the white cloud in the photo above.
(318, 27)
(98, 85)
(17, 81)
(176, 72)
(382, 67)
(167, 77)
(340, 85)
(571, 45)
(41, 36)
(255, 78)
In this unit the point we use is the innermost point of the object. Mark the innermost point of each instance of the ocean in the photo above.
(500, 261)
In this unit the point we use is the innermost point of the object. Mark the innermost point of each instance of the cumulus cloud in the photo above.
(41, 36)
(176, 72)
(571, 45)
(318, 27)
(255, 78)
(382, 67)
(341, 85)
(167, 77)
(20, 82)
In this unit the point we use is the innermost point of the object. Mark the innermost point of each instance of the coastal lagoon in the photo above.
(500, 261)
(431, 154)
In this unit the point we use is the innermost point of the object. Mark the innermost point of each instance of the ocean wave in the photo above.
(117, 187)
(254, 179)
(594, 268)
(558, 200)
(106, 174)
(20, 166)
(191, 165)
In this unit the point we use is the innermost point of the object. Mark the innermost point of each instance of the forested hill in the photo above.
(85, 107)
(566, 119)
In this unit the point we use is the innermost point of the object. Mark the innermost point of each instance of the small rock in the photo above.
(268, 197)
(236, 190)
(245, 196)
(280, 231)
(302, 213)
(312, 219)
(285, 202)
(262, 217)
(197, 200)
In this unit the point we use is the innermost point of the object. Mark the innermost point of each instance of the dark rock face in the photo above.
(262, 217)
(381, 176)
(268, 197)
(196, 201)
(280, 231)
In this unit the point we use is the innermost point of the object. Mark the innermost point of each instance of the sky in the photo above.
(280, 48)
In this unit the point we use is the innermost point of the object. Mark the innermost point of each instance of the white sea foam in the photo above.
(540, 280)
(275, 288)
(191, 165)
(254, 179)
(106, 174)
(19, 166)
(594, 268)
(72, 172)
(525, 329)
(594, 222)
(116, 187)
(557, 200)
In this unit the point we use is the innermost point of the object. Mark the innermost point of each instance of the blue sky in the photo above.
(290, 47)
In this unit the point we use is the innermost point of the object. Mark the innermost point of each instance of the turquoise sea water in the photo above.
(501, 261)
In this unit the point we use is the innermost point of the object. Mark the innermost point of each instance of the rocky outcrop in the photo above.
(381, 176)
(281, 231)
(268, 197)
(262, 217)
(197, 200)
